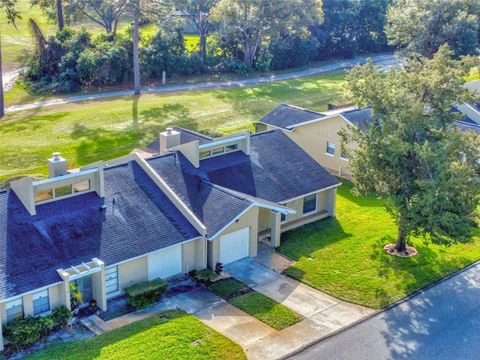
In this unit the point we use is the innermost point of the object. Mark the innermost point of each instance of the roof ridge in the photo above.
(265, 132)
(357, 109)
(303, 109)
(223, 189)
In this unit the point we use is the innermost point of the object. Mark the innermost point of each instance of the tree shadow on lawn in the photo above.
(99, 143)
(409, 275)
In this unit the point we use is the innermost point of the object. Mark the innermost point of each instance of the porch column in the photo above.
(28, 305)
(276, 230)
(99, 290)
(65, 293)
(333, 202)
(1, 333)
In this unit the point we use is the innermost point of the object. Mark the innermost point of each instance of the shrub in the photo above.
(146, 292)
(60, 316)
(27, 331)
(205, 275)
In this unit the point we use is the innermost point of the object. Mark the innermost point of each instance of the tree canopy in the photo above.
(412, 155)
(420, 27)
(253, 21)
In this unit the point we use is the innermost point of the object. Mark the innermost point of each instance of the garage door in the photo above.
(234, 246)
(165, 263)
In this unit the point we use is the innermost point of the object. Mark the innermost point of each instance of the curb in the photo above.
(391, 306)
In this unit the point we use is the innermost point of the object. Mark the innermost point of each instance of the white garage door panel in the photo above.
(165, 263)
(234, 246)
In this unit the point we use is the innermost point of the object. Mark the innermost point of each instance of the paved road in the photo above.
(384, 60)
(441, 323)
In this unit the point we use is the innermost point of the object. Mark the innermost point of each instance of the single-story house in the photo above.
(185, 203)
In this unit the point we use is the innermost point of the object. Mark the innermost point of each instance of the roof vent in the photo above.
(57, 166)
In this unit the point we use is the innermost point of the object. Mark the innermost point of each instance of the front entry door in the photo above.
(85, 288)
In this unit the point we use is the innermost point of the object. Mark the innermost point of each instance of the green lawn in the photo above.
(267, 310)
(344, 257)
(258, 305)
(170, 335)
(90, 131)
(226, 288)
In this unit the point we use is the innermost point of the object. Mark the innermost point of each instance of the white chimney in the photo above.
(168, 139)
(57, 165)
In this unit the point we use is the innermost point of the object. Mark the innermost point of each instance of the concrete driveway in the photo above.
(323, 313)
(299, 297)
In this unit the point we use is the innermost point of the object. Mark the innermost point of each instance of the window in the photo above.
(309, 203)
(343, 155)
(63, 191)
(81, 186)
(41, 302)
(14, 309)
(283, 218)
(111, 281)
(232, 147)
(330, 148)
(218, 151)
(43, 195)
(204, 154)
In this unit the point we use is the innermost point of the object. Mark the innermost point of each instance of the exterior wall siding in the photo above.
(249, 219)
(313, 139)
(132, 272)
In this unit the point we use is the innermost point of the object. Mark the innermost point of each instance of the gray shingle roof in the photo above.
(276, 170)
(286, 116)
(214, 207)
(73, 230)
(359, 117)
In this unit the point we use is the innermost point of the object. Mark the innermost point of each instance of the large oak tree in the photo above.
(412, 154)
(420, 27)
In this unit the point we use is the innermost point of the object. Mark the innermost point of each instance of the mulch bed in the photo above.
(409, 252)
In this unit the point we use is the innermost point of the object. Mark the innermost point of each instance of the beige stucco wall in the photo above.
(55, 300)
(132, 272)
(249, 219)
(194, 255)
(313, 139)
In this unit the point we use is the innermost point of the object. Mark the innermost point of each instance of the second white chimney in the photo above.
(168, 139)
(57, 166)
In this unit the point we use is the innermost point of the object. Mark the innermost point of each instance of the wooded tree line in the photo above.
(235, 36)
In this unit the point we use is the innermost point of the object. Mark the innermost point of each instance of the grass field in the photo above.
(344, 257)
(90, 131)
(169, 335)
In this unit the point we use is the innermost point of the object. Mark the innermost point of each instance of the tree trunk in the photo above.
(2, 104)
(202, 47)
(401, 245)
(60, 22)
(136, 61)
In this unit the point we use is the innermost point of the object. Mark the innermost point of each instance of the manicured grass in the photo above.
(91, 131)
(344, 257)
(265, 309)
(170, 335)
(226, 288)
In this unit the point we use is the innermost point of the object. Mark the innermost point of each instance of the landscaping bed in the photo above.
(344, 257)
(258, 305)
(169, 335)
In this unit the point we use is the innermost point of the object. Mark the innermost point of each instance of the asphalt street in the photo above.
(443, 322)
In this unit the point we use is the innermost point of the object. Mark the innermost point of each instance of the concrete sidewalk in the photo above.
(323, 313)
(384, 60)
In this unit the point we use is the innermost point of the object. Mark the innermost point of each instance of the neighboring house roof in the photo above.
(359, 117)
(186, 136)
(138, 218)
(286, 116)
(464, 126)
(276, 170)
(214, 207)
